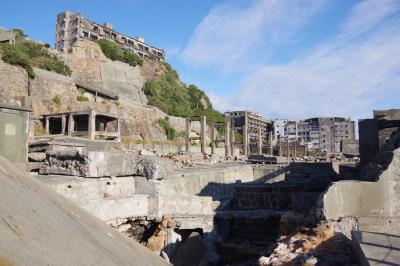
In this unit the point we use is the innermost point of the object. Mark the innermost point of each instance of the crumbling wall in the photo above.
(377, 195)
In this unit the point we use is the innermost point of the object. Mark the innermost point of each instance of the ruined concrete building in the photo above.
(375, 132)
(7, 36)
(72, 27)
(253, 128)
(323, 134)
(87, 124)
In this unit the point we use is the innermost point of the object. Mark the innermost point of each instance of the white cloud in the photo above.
(238, 31)
(358, 69)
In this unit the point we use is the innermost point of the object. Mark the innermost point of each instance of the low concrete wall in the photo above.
(167, 148)
(358, 198)
(111, 210)
(218, 182)
(186, 205)
(82, 189)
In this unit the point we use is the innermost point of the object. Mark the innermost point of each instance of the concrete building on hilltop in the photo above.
(72, 27)
(7, 36)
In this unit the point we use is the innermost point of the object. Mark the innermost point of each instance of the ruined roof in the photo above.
(40, 227)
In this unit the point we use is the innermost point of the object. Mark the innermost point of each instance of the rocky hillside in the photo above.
(147, 93)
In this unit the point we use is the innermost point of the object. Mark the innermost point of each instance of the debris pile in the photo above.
(320, 245)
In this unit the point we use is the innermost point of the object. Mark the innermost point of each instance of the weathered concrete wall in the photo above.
(13, 84)
(218, 182)
(360, 198)
(39, 227)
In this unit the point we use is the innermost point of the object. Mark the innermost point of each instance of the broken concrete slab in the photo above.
(40, 227)
(105, 163)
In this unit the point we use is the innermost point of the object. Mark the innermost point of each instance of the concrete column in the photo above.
(233, 141)
(227, 136)
(245, 136)
(259, 141)
(203, 127)
(287, 147)
(63, 123)
(279, 146)
(187, 134)
(46, 126)
(71, 124)
(271, 149)
(212, 138)
(92, 125)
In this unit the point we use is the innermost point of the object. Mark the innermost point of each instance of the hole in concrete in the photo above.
(108, 183)
(69, 186)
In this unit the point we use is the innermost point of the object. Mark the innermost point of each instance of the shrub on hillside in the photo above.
(169, 130)
(177, 99)
(116, 52)
(29, 54)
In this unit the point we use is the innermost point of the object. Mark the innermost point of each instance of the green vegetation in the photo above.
(57, 100)
(169, 130)
(29, 54)
(82, 98)
(177, 99)
(116, 52)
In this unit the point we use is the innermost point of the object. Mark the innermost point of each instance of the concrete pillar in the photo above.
(212, 138)
(271, 149)
(203, 127)
(187, 134)
(46, 126)
(63, 123)
(287, 147)
(71, 124)
(259, 142)
(233, 141)
(227, 136)
(92, 125)
(279, 146)
(245, 136)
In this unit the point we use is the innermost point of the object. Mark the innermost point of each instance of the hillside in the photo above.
(151, 100)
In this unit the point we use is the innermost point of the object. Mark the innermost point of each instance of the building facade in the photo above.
(322, 134)
(251, 125)
(72, 27)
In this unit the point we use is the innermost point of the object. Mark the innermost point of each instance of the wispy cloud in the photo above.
(346, 76)
(239, 31)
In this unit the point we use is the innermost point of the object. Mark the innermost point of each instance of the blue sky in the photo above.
(282, 58)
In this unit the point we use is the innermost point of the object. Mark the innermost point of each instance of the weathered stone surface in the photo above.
(105, 163)
(39, 227)
(153, 167)
(192, 252)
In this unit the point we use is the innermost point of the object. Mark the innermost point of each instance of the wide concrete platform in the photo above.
(376, 248)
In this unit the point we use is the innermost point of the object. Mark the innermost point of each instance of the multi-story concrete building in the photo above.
(280, 128)
(326, 133)
(318, 134)
(72, 27)
(251, 124)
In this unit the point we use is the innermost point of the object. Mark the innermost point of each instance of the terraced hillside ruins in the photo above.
(206, 198)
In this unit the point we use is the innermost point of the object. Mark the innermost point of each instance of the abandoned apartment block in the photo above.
(72, 27)
(87, 124)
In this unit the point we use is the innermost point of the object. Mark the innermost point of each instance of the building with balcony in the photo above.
(72, 27)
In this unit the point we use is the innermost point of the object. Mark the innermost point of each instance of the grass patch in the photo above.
(29, 54)
(82, 98)
(57, 100)
(116, 52)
